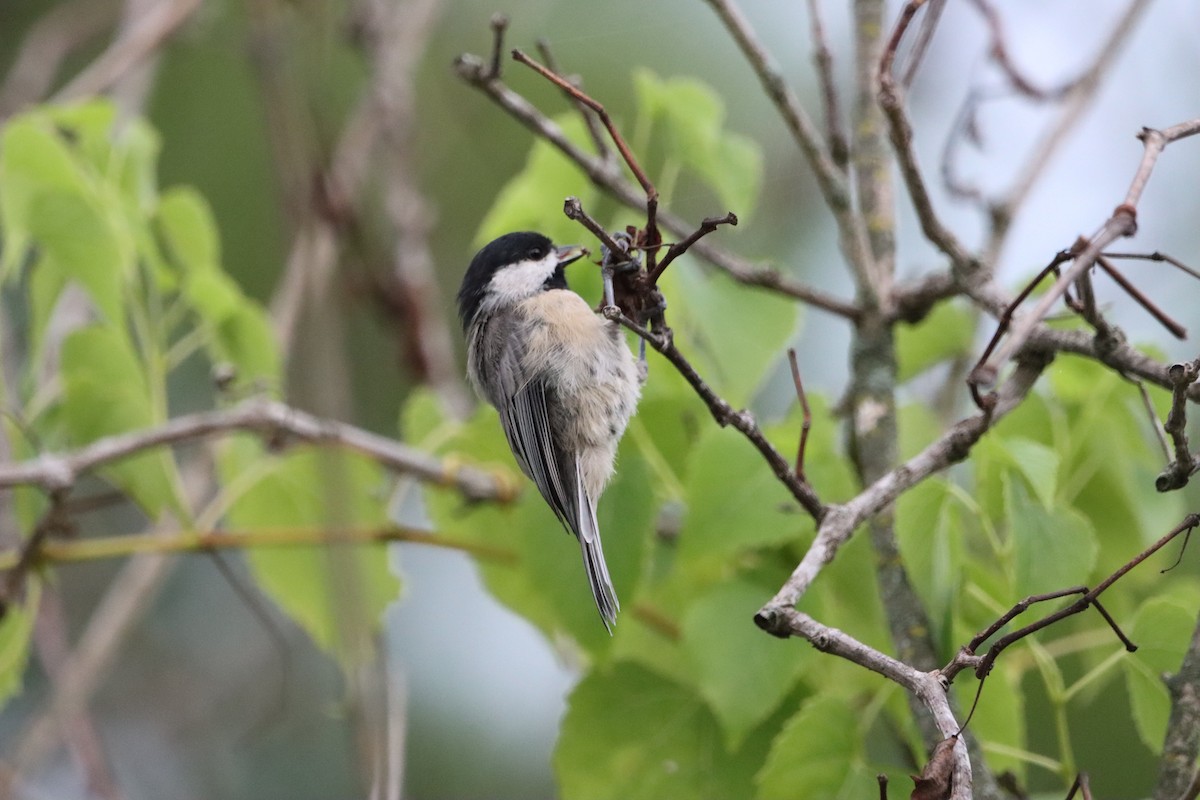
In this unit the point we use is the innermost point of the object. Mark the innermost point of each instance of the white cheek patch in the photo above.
(520, 281)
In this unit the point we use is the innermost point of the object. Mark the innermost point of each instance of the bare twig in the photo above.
(840, 521)
(574, 210)
(1123, 222)
(604, 174)
(1184, 465)
(1082, 785)
(832, 179)
(901, 134)
(707, 226)
(927, 687)
(53, 471)
(806, 425)
(1173, 327)
(579, 96)
(839, 143)
(499, 24)
(599, 140)
(1087, 598)
(134, 45)
(1157, 256)
(663, 342)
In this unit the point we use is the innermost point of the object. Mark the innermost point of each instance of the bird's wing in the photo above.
(526, 421)
(525, 412)
(559, 479)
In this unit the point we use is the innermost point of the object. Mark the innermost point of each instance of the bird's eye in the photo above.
(537, 253)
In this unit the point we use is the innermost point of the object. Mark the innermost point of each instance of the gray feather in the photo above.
(526, 410)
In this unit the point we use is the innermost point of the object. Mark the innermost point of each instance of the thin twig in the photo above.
(573, 208)
(707, 226)
(1157, 256)
(102, 548)
(839, 143)
(1184, 465)
(599, 140)
(1173, 327)
(1122, 223)
(1088, 598)
(832, 180)
(608, 177)
(806, 425)
(901, 135)
(135, 44)
(581, 97)
(841, 521)
(725, 414)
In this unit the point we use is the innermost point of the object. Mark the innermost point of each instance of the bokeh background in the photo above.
(201, 703)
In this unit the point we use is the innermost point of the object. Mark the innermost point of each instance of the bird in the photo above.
(561, 377)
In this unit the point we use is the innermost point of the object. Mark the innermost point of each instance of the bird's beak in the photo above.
(570, 253)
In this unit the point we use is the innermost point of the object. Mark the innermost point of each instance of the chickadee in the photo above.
(561, 377)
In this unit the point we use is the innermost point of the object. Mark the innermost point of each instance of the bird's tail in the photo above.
(593, 562)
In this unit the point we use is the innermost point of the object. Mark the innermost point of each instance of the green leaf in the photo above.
(75, 239)
(692, 116)
(742, 674)
(734, 501)
(189, 229)
(239, 330)
(731, 333)
(947, 332)
(16, 633)
(310, 489)
(818, 754)
(1054, 549)
(1162, 630)
(929, 532)
(106, 392)
(33, 159)
(533, 199)
(631, 735)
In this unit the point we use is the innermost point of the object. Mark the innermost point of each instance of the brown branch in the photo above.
(599, 141)
(1122, 223)
(663, 342)
(274, 420)
(1184, 465)
(832, 180)
(901, 134)
(605, 175)
(840, 521)
(707, 226)
(839, 144)
(1087, 598)
(1173, 327)
(622, 147)
(806, 425)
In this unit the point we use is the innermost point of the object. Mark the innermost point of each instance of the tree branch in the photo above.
(606, 175)
(270, 419)
(1122, 222)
